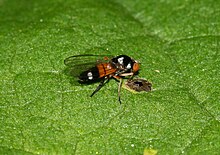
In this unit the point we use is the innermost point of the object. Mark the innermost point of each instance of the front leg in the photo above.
(119, 86)
(119, 90)
(127, 74)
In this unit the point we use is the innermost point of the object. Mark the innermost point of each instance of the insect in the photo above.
(91, 68)
(138, 85)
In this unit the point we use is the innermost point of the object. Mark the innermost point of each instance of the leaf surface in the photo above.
(177, 43)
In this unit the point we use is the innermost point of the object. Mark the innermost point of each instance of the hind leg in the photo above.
(101, 84)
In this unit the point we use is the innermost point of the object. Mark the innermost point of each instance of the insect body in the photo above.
(90, 68)
(101, 70)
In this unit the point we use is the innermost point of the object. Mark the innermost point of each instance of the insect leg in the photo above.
(119, 86)
(119, 90)
(127, 74)
(101, 84)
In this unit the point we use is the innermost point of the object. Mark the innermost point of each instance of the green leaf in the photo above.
(177, 43)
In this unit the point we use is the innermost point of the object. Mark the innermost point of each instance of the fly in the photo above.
(91, 68)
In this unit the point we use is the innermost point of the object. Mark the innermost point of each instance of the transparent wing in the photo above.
(86, 60)
(77, 64)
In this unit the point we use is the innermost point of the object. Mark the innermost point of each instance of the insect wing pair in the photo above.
(91, 68)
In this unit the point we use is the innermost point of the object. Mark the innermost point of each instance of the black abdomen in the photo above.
(90, 75)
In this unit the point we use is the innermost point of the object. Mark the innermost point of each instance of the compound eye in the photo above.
(136, 67)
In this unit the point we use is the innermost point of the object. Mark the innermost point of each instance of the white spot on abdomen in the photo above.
(89, 74)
